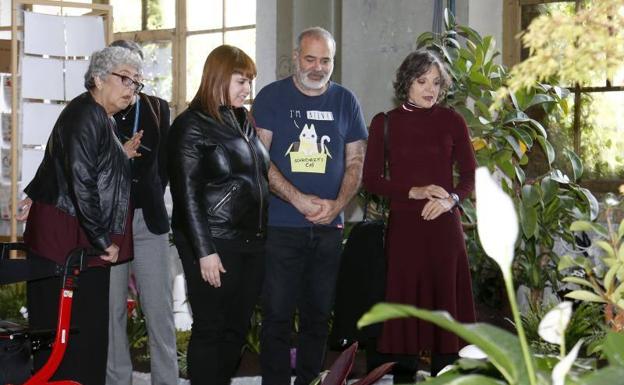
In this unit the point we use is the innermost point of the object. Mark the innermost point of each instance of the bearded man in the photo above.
(316, 136)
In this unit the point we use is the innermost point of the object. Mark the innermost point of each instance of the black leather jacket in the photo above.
(218, 178)
(85, 171)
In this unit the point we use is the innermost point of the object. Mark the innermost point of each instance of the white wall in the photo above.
(486, 17)
(266, 42)
(376, 37)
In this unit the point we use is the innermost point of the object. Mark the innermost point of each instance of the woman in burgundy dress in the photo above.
(427, 261)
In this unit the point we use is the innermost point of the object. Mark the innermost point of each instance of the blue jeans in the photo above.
(300, 273)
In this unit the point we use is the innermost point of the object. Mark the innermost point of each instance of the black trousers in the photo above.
(221, 315)
(85, 358)
(301, 269)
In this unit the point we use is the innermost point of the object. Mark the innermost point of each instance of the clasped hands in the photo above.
(316, 210)
(439, 200)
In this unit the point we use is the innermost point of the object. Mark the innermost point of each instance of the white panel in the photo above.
(85, 35)
(42, 78)
(74, 77)
(44, 34)
(38, 121)
(31, 159)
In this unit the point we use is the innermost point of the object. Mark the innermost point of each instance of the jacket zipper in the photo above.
(257, 167)
(223, 200)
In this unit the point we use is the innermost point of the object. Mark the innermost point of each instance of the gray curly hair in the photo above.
(105, 61)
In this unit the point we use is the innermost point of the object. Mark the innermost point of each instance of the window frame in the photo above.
(512, 26)
(177, 36)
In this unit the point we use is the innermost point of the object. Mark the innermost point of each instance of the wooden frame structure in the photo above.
(17, 6)
(512, 54)
(178, 36)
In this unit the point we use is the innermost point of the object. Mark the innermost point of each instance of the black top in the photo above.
(149, 171)
(219, 179)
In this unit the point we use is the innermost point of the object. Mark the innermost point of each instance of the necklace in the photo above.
(125, 114)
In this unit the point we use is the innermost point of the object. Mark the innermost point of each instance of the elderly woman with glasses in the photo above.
(80, 198)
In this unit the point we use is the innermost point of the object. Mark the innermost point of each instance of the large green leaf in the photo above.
(610, 375)
(469, 33)
(592, 202)
(584, 295)
(577, 280)
(502, 347)
(577, 164)
(520, 174)
(528, 221)
(463, 379)
(539, 127)
(530, 195)
(540, 99)
(516, 117)
(548, 148)
(549, 188)
(425, 38)
(621, 229)
(558, 176)
(515, 145)
(523, 135)
(479, 78)
(590, 227)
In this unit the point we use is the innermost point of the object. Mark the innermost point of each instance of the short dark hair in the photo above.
(414, 66)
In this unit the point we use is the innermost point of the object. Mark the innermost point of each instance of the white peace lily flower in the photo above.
(497, 222)
(553, 325)
(472, 351)
(445, 369)
(560, 370)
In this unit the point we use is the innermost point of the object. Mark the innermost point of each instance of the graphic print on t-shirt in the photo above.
(309, 154)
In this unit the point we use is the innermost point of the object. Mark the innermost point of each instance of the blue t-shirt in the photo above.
(308, 144)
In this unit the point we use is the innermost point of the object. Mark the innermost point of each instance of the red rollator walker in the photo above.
(17, 270)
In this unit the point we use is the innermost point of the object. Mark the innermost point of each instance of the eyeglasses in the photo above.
(129, 82)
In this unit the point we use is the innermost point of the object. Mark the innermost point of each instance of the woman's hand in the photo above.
(436, 207)
(431, 191)
(112, 253)
(23, 208)
(132, 145)
(210, 267)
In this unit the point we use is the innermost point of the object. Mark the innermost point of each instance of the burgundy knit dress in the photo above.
(427, 261)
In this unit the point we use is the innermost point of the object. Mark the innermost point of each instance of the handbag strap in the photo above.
(386, 149)
(386, 166)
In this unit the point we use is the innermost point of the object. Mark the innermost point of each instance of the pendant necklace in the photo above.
(125, 114)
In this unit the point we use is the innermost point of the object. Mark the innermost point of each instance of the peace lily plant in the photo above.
(508, 359)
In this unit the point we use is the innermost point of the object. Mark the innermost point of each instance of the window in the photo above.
(177, 36)
(594, 126)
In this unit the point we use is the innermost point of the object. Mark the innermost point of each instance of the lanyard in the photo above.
(136, 116)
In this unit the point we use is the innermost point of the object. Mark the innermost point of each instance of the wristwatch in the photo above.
(455, 199)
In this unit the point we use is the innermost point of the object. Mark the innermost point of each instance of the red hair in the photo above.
(220, 65)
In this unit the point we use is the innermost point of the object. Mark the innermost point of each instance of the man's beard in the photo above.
(312, 84)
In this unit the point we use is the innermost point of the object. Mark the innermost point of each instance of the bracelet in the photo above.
(455, 198)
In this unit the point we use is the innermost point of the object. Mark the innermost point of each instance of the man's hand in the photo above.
(112, 253)
(306, 204)
(23, 208)
(132, 145)
(211, 268)
(436, 207)
(329, 210)
(431, 191)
